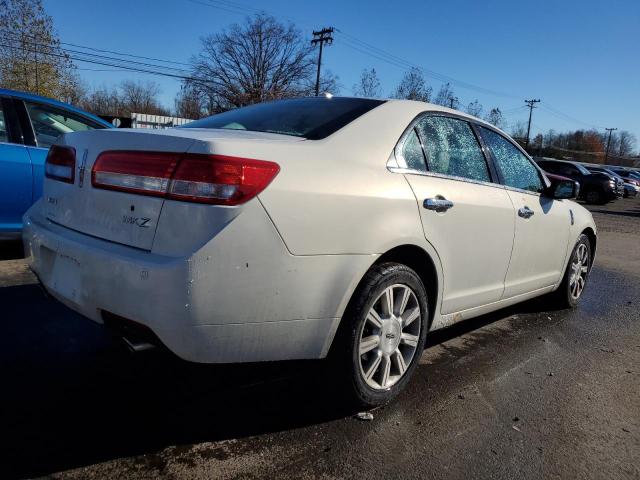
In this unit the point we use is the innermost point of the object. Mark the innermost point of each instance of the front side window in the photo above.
(517, 170)
(50, 122)
(452, 148)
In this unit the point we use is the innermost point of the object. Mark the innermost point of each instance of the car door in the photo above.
(541, 223)
(466, 217)
(15, 171)
(47, 123)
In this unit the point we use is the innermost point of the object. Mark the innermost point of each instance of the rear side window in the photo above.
(50, 122)
(313, 118)
(517, 170)
(412, 153)
(452, 148)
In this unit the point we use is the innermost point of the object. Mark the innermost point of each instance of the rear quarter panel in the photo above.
(336, 196)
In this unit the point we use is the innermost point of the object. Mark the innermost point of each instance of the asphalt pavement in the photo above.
(522, 393)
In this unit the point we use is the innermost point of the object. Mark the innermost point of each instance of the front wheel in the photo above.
(575, 277)
(383, 334)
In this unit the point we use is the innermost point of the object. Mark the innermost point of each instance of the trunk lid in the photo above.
(127, 218)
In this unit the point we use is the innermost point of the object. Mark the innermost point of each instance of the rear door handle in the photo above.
(439, 204)
(525, 212)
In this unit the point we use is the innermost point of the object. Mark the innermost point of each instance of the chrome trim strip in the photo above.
(410, 171)
(520, 190)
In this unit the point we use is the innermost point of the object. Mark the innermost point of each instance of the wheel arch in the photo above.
(424, 263)
(593, 240)
(421, 262)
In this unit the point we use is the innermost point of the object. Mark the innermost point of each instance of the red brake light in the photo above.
(220, 179)
(214, 179)
(61, 163)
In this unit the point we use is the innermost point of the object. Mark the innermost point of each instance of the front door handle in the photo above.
(525, 212)
(439, 204)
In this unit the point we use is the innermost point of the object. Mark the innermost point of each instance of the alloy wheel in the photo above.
(579, 270)
(389, 337)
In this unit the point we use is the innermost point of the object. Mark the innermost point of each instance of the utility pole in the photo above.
(606, 155)
(323, 36)
(452, 101)
(531, 104)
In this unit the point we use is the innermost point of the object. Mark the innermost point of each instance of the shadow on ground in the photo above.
(634, 212)
(11, 249)
(75, 396)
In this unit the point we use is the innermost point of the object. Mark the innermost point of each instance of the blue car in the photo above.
(29, 125)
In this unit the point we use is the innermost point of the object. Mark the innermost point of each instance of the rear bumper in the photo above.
(224, 303)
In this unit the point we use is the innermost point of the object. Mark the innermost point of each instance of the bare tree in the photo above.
(188, 103)
(102, 101)
(128, 97)
(474, 108)
(30, 55)
(413, 87)
(626, 143)
(369, 85)
(141, 97)
(329, 83)
(519, 130)
(495, 117)
(259, 60)
(446, 97)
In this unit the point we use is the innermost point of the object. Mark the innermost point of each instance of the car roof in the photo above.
(50, 101)
(545, 159)
(424, 106)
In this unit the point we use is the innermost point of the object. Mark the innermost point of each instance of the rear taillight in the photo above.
(220, 179)
(61, 163)
(214, 179)
(137, 172)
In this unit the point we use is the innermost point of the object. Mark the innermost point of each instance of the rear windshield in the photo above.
(313, 118)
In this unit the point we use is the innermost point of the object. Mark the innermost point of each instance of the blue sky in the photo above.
(579, 57)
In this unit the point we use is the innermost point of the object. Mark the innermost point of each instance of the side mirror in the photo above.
(561, 189)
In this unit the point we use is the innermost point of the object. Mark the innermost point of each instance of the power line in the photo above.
(21, 39)
(563, 116)
(98, 56)
(237, 8)
(121, 66)
(396, 60)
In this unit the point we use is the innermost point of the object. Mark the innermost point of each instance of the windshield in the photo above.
(312, 118)
(583, 170)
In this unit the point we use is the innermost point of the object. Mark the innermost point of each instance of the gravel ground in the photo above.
(521, 393)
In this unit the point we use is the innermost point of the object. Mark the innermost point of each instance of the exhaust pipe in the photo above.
(137, 347)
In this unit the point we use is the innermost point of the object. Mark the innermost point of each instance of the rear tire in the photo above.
(382, 335)
(575, 277)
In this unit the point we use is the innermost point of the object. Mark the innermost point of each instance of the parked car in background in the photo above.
(29, 125)
(594, 188)
(305, 228)
(621, 186)
(630, 176)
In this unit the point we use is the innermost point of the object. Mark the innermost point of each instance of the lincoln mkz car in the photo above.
(307, 228)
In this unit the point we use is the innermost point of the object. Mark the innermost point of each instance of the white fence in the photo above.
(143, 120)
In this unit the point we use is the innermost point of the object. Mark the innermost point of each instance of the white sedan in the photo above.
(305, 228)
